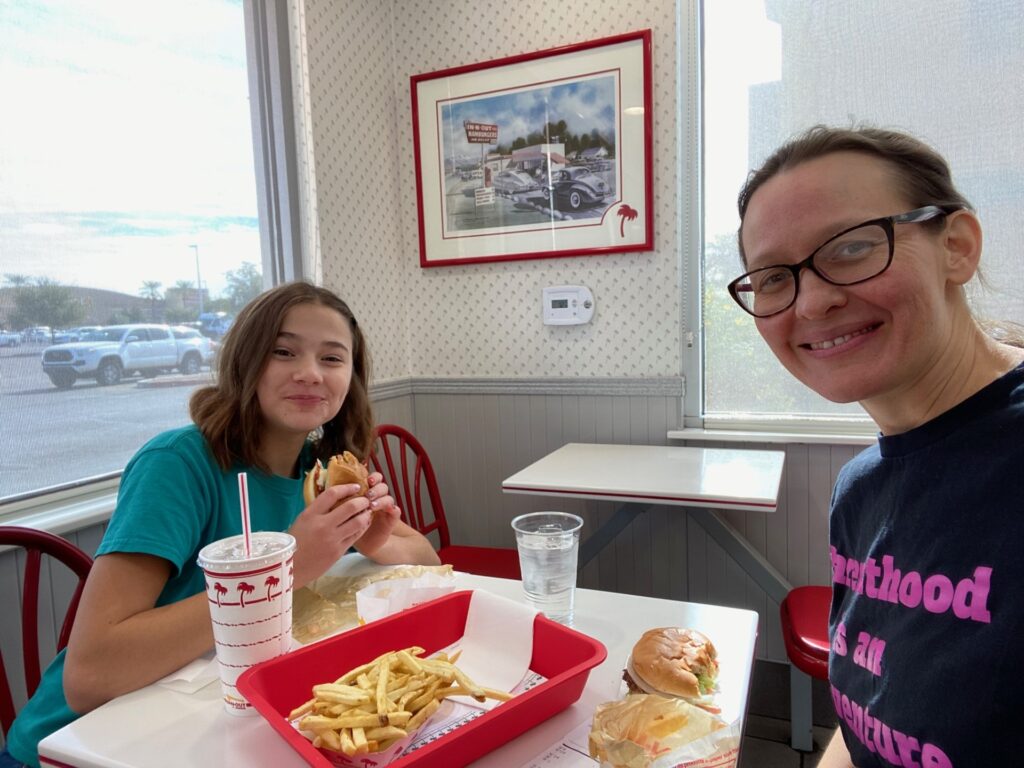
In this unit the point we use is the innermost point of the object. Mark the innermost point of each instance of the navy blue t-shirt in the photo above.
(927, 620)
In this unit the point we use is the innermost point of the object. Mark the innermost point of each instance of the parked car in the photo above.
(108, 354)
(512, 182)
(194, 349)
(213, 325)
(73, 334)
(38, 334)
(575, 187)
(10, 339)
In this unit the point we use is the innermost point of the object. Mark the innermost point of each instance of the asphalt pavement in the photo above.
(50, 436)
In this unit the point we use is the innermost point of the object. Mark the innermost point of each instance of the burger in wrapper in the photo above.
(635, 731)
(673, 661)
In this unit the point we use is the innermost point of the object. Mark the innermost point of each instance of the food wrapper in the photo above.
(650, 731)
(383, 598)
(328, 604)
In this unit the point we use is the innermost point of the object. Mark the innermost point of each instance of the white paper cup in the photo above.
(250, 601)
(549, 544)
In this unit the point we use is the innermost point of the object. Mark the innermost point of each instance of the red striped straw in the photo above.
(243, 497)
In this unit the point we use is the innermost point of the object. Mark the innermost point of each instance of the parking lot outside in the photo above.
(51, 436)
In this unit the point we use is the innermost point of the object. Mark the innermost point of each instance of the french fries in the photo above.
(371, 707)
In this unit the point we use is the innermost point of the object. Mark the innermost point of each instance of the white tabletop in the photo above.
(716, 478)
(156, 726)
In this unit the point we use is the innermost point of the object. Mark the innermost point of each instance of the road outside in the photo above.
(50, 436)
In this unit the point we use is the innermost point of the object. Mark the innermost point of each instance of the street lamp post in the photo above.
(199, 282)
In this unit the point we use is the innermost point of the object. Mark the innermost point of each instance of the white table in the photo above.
(642, 476)
(156, 726)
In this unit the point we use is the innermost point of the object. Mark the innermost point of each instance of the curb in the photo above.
(160, 382)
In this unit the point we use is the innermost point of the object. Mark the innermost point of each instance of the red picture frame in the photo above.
(539, 155)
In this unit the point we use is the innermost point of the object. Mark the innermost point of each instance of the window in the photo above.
(774, 69)
(129, 196)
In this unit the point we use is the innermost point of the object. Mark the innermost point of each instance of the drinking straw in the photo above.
(243, 498)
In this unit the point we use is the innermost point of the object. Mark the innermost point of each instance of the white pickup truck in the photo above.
(107, 354)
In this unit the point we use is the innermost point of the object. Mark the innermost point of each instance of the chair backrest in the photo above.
(36, 544)
(407, 470)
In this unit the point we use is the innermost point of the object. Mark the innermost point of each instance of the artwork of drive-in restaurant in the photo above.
(538, 155)
(547, 154)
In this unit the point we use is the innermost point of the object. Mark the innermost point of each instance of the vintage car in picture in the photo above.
(575, 187)
(509, 182)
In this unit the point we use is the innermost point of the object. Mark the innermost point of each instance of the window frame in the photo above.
(785, 428)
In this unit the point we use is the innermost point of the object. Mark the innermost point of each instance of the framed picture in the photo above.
(539, 155)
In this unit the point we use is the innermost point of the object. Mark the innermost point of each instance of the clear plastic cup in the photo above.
(250, 601)
(549, 544)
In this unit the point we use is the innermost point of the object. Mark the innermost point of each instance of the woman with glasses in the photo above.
(857, 247)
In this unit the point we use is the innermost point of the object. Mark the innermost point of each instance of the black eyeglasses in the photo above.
(854, 255)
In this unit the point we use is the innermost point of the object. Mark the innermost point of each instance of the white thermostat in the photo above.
(568, 305)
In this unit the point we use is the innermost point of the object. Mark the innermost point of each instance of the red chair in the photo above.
(36, 544)
(804, 614)
(407, 470)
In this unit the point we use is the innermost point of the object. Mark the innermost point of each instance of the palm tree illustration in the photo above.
(271, 582)
(220, 589)
(244, 588)
(625, 213)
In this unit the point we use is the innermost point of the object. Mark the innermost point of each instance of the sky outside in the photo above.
(126, 139)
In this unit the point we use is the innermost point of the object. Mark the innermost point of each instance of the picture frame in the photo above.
(538, 155)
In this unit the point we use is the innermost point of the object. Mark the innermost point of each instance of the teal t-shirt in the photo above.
(173, 500)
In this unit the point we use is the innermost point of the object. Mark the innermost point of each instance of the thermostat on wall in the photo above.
(568, 305)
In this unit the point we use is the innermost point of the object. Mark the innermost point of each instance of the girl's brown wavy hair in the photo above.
(228, 413)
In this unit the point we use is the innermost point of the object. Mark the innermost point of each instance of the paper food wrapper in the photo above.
(193, 676)
(328, 604)
(690, 746)
(383, 598)
(720, 749)
(495, 651)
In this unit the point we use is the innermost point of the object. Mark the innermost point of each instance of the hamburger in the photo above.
(343, 469)
(671, 661)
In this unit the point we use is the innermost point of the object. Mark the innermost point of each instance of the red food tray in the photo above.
(562, 655)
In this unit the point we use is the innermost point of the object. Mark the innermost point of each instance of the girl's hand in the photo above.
(385, 516)
(324, 532)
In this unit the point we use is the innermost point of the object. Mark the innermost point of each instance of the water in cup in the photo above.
(548, 545)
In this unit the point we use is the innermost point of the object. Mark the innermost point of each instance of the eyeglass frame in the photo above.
(887, 223)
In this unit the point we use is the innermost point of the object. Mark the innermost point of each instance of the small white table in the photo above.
(156, 726)
(642, 476)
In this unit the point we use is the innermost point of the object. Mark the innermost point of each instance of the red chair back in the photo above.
(407, 470)
(36, 544)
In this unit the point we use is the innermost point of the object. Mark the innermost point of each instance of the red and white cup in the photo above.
(250, 599)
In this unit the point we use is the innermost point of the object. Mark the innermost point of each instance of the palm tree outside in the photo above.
(151, 290)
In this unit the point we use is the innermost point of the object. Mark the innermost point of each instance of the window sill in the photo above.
(751, 436)
(65, 511)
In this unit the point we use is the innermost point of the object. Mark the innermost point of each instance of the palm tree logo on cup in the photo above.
(244, 588)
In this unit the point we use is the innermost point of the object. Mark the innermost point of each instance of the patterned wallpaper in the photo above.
(483, 319)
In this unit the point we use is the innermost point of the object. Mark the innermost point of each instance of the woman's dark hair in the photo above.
(228, 413)
(921, 173)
